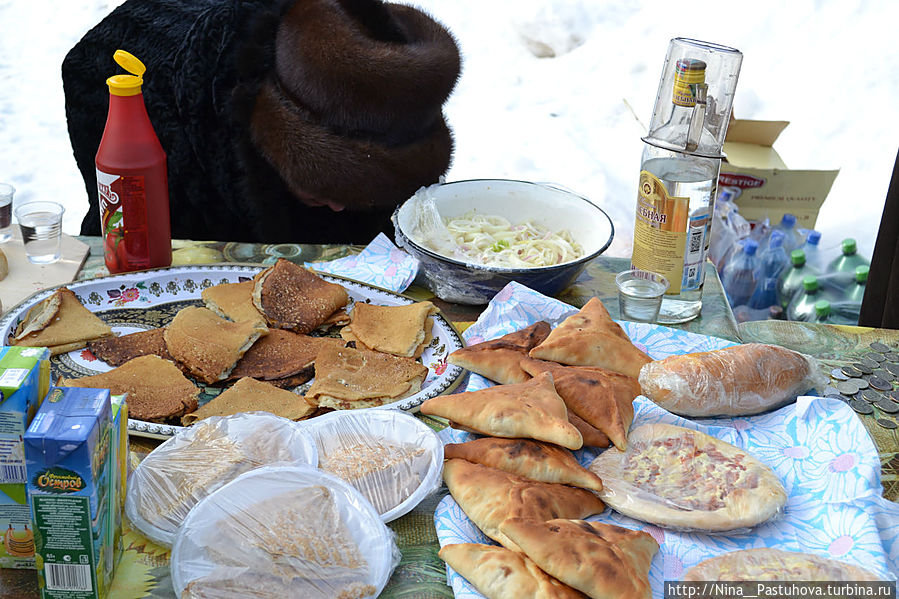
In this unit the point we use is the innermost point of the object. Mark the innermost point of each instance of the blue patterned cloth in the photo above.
(818, 448)
(381, 264)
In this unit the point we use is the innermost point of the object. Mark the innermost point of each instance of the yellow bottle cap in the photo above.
(127, 85)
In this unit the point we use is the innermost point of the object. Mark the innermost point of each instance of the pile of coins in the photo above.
(868, 384)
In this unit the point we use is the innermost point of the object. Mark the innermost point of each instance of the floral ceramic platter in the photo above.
(149, 299)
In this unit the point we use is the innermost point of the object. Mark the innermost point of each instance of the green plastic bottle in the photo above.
(802, 307)
(849, 260)
(791, 278)
(822, 311)
(857, 292)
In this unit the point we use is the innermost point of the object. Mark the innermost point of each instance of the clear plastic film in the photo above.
(736, 381)
(292, 531)
(754, 565)
(682, 479)
(392, 458)
(170, 481)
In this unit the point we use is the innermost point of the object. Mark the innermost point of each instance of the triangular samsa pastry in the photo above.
(498, 573)
(531, 410)
(602, 398)
(488, 496)
(61, 323)
(233, 301)
(601, 560)
(534, 460)
(397, 330)
(592, 338)
(593, 437)
(497, 359)
(292, 297)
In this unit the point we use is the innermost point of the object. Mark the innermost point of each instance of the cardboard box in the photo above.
(24, 380)
(67, 452)
(118, 476)
(768, 188)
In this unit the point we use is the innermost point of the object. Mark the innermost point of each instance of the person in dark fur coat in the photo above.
(302, 121)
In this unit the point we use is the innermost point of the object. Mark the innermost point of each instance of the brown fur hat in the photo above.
(352, 114)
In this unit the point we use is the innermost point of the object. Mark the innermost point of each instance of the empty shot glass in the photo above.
(640, 294)
(6, 193)
(41, 226)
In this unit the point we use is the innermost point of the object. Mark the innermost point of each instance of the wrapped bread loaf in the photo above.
(736, 381)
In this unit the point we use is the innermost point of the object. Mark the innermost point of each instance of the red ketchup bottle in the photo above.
(131, 178)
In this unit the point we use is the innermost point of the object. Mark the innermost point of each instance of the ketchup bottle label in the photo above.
(123, 221)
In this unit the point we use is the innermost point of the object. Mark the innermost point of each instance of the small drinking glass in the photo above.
(640, 294)
(41, 225)
(6, 193)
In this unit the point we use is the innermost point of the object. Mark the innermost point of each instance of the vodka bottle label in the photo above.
(660, 231)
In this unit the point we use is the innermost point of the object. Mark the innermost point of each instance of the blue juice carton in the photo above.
(67, 450)
(24, 380)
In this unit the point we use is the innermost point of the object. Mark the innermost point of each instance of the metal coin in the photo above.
(847, 388)
(870, 395)
(888, 406)
(862, 383)
(893, 368)
(838, 374)
(875, 357)
(884, 374)
(860, 406)
(890, 424)
(872, 364)
(880, 384)
(863, 368)
(851, 372)
(879, 347)
(891, 356)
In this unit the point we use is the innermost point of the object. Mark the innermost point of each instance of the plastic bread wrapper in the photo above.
(283, 531)
(392, 458)
(201, 458)
(717, 386)
(631, 483)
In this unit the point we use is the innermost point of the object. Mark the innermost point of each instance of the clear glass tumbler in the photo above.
(41, 226)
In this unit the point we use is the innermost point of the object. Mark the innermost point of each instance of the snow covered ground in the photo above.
(829, 67)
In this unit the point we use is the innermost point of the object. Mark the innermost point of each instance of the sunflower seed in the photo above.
(880, 384)
(879, 347)
(890, 424)
(888, 406)
(838, 374)
(860, 406)
(851, 372)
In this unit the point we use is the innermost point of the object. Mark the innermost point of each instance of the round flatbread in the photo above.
(683, 479)
(775, 565)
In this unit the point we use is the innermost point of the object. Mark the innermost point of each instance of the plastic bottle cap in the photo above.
(849, 246)
(750, 246)
(822, 307)
(861, 273)
(814, 237)
(127, 85)
(797, 257)
(788, 220)
(810, 283)
(776, 240)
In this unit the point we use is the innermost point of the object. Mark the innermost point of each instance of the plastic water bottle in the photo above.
(764, 296)
(814, 255)
(822, 311)
(793, 239)
(857, 292)
(849, 259)
(739, 278)
(774, 258)
(791, 279)
(802, 306)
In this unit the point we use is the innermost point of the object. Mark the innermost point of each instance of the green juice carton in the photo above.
(67, 450)
(24, 380)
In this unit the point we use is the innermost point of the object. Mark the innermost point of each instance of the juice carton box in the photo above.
(67, 451)
(24, 380)
(118, 475)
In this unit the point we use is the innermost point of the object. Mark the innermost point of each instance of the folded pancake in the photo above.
(60, 323)
(592, 338)
(601, 560)
(115, 351)
(250, 395)
(497, 359)
(593, 437)
(602, 398)
(498, 573)
(489, 496)
(398, 330)
(292, 297)
(207, 345)
(348, 378)
(533, 460)
(157, 390)
(233, 301)
(531, 410)
(281, 354)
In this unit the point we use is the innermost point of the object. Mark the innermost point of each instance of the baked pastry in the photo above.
(735, 381)
(593, 437)
(207, 345)
(603, 398)
(281, 354)
(156, 389)
(679, 478)
(498, 359)
(294, 298)
(250, 395)
(601, 560)
(592, 338)
(489, 496)
(534, 460)
(59, 323)
(233, 301)
(775, 565)
(498, 573)
(398, 330)
(531, 410)
(347, 378)
(115, 351)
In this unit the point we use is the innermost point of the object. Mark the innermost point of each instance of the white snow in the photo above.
(829, 67)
